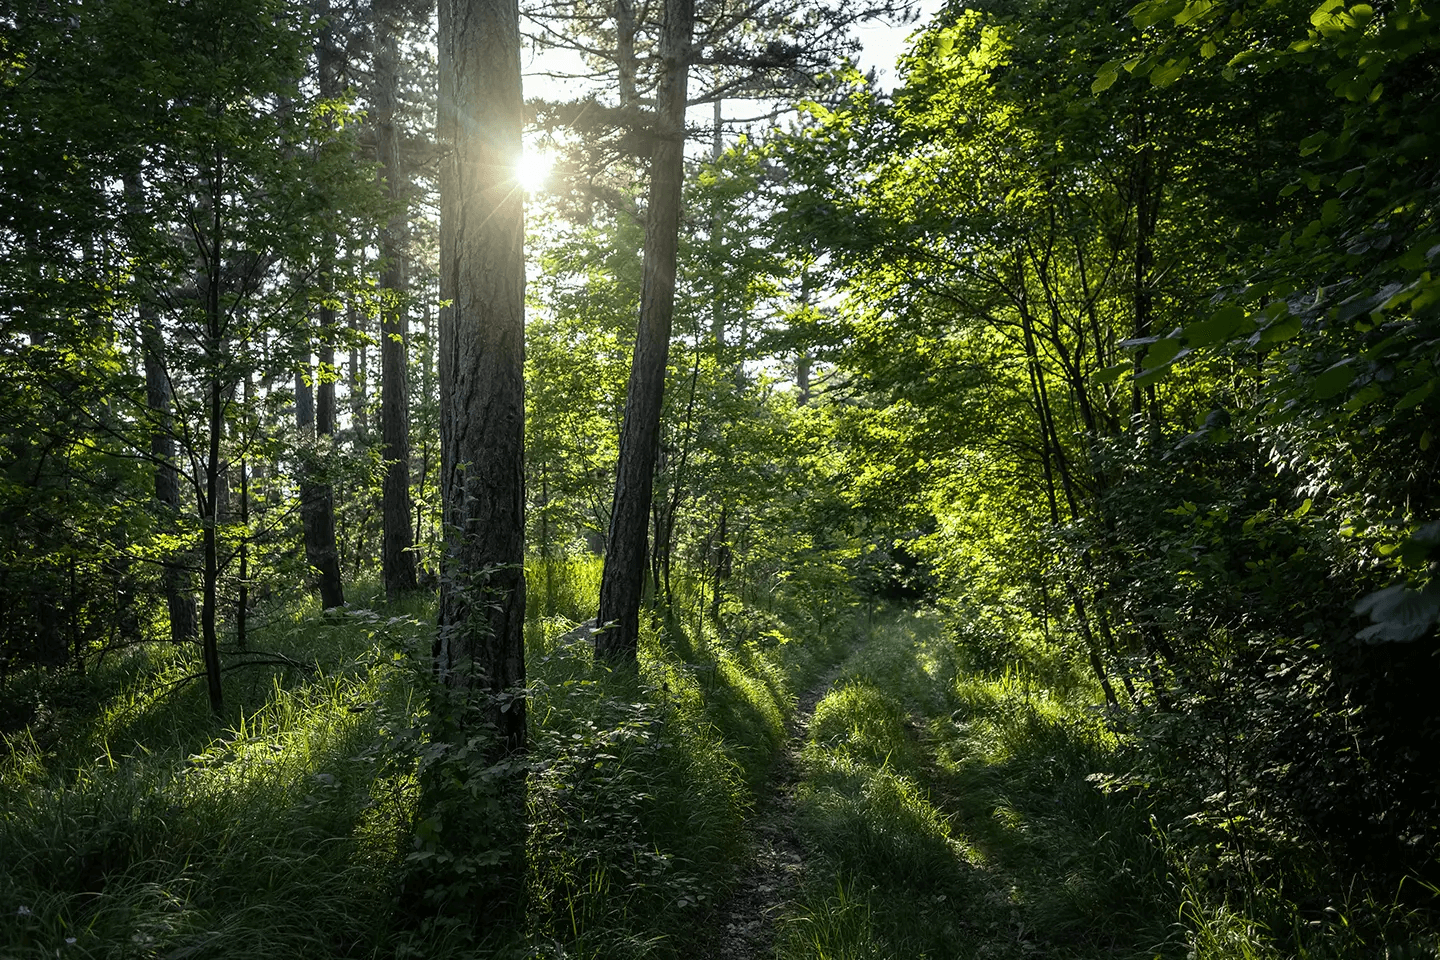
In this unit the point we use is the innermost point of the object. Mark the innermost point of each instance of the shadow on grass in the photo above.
(956, 819)
(155, 829)
(252, 849)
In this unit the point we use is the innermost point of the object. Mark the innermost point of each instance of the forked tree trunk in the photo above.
(622, 581)
(1051, 450)
(397, 555)
(480, 643)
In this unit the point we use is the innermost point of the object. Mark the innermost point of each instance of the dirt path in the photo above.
(745, 924)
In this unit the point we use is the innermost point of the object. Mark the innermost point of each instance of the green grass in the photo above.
(946, 813)
(950, 815)
(646, 780)
(955, 807)
(148, 828)
(134, 823)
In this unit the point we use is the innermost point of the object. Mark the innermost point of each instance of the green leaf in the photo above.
(1169, 72)
(1193, 11)
(1322, 13)
(1399, 614)
(1111, 374)
(1313, 142)
(1154, 375)
(1222, 324)
(1363, 399)
(1162, 351)
(1105, 79)
(1333, 381)
(1151, 12)
(1416, 396)
(1282, 329)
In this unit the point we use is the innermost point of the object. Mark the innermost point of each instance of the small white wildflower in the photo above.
(23, 912)
(70, 941)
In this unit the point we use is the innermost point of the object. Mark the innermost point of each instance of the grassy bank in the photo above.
(958, 814)
(136, 824)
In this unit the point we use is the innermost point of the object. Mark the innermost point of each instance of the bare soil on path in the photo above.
(745, 923)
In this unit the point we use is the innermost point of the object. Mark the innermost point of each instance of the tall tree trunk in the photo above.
(717, 238)
(482, 357)
(397, 556)
(625, 59)
(804, 359)
(179, 590)
(722, 563)
(242, 600)
(547, 560)
(317, 515)
(1146, 199)
(1051, 449)
(623, 579)
(359, 374)
(210, 503)
(429, 341)
(317, 497)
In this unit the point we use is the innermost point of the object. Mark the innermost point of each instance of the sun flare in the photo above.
(534, 170)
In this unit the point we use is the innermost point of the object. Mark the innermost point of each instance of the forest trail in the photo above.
(745, 923)
(922, 810)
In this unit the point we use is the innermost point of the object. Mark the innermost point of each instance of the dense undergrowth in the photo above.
(137, 825)
(948, 806)
(959, 812)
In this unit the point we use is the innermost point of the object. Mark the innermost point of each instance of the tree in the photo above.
(480, 644)
(623, 579)
(315, 391)
(397, 554)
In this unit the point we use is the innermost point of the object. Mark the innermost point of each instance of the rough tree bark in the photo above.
(480, 642)
(397, 555)
(623, 578)
(625, 59)
(359, 402)
(216, 389)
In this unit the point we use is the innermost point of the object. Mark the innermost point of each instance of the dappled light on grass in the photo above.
(956, 812)
(148, 828)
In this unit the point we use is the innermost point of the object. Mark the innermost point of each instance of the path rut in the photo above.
(746, 922)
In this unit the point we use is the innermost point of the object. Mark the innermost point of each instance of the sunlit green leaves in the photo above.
(1106, 78)
(1150, 12)
(1280, 329)
(1169, 71)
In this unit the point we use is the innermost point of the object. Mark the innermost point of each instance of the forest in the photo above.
(613, 479)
